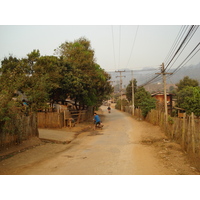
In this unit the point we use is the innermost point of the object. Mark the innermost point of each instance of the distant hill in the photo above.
(193, 71)
(143, 75)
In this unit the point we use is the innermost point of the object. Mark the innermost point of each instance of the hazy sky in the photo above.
(115, 47)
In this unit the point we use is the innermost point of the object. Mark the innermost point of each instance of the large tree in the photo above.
(189, 99)
(12, 77)
(78, 54)
(188, 95)
(88, 83)
(35, 77)
(186, 81)
(129, 89)
(45, 79)
(144, 101)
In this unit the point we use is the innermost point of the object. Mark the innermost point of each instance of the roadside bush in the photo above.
(118, 104)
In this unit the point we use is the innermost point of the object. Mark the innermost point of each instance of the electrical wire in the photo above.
(119, 45)
(178, 51)
(113, 47)
(132, 46)
(183, 38)
(155, 78)
(183, 47)
(190, 31)
(185, 60)
(175, 44)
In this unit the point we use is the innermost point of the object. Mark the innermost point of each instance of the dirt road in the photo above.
(125, 146)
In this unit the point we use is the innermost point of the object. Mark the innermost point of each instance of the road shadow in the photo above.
(94, 133)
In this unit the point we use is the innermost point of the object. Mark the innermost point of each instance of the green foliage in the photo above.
(188, 95)
(129, 89)
(189, 99)
(84, 80)
(77, 54)
(186, 81)
(144, 101)
(118, 103)
(43, 79)
(11, 79)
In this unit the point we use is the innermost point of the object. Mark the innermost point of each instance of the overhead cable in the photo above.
(185, 60)
(119, 45)
(182, 43)
(183, 47)
(132, 46)
(175, 44)
(113, 47)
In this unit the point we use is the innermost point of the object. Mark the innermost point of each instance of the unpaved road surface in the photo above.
(125, 146)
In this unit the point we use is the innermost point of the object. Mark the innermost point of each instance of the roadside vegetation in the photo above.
(187, 94)
(142, 98)
(71, 73)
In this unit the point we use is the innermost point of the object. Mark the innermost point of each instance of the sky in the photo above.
(129, 34)
(116, 46)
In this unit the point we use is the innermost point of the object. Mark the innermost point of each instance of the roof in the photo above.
(161, 93)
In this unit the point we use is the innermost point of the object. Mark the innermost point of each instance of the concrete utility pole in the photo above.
(111, 83)
(165, 90)
(133, 106)
(120, 84)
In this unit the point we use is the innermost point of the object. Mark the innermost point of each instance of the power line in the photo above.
(120, 84)
(188, 39)
(178, 37)
(132, 46)
(190, 31)
(185, 60)
(179, 50)
(113, 47)
(119, 45)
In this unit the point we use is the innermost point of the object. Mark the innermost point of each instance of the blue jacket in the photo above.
(96, 118)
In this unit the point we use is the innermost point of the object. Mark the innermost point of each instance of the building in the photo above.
(160, 99)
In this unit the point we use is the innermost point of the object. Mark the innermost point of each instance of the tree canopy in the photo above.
(189, 99)
(188, 95)
(72, 73)
(129, 89)
(88, 82)
(186, 81)
(144, 101)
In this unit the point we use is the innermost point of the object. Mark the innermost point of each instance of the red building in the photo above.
(160, 99)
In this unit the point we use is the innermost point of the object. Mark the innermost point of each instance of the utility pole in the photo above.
(120, 84)
(112, 85)
(133, 106)
(164, 87)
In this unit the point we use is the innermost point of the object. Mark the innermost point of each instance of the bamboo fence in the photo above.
(185, 130)
(17, 129)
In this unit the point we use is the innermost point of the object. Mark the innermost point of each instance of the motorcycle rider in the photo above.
(109, 109)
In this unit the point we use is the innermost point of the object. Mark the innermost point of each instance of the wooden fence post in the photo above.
(189, 133)
(193, 134)
(183, 132)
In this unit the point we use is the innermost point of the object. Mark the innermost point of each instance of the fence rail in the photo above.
(61, 119)
(185, 131)
(17, 129)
